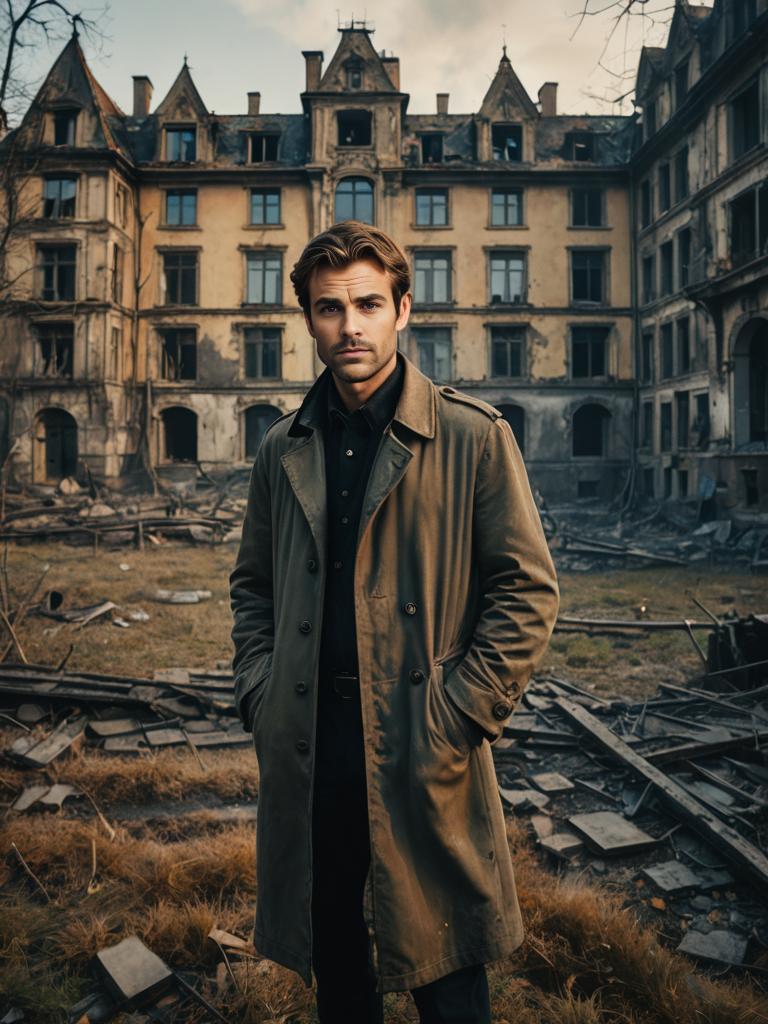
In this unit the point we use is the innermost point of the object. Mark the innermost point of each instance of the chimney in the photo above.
(392, 67)
(314, 65)
(254, 100)
(442, 102)
(548, 99)
(142, 95)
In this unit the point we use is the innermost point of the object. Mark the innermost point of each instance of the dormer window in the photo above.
(354, 127)
(64, 125)
(263, 147)
(582, 146)
(507, 142)
(181, 144)
(354, 70)
(432, 148)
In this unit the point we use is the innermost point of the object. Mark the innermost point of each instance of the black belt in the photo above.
(345, 685)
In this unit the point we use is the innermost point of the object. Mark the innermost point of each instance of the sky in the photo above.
(237, 46)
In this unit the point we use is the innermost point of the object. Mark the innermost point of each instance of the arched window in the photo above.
(257, 419)
(180, 430)
(55, 445)
(590, 431)
(515, 417)
(354, 200)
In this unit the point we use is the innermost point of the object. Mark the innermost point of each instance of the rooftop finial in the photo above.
(186, 61)
(75, 19)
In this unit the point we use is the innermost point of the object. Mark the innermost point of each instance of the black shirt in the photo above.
(351, 441)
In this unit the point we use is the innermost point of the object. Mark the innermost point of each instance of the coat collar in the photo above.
(415, 409)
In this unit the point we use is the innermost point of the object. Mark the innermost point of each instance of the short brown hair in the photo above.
(344, 243)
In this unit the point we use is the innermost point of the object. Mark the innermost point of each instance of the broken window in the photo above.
(354, 73)
(683, 257)
(507, 351)
(683, 345)
(664, 188)
(646, 357)
(354, 127)
(590, 431)
(181, 144)
(681, 174)
(649, 119)
(263, 147)
(56, 350)
(666, 259)
(180, 278)
(257, 420)
(57, 433)
(433, 345)
(432, 207)
(179, 353)
(749, 225)
(646, 211)
(589, 351)
(115, 351)
(262, 347)
(508, 277)
(683, 407)
(751, 487)
(64, 127)
(432, 148)
(265, 206)
(264, 278)
(582, 146)
(57, 272)
(59, 197)
(649, 278)
(180, 430)
(666, 427)
(515, 417)
(354, 200)
(432, 277)
(116, 275)
(587, 208)
(507, 142)
(507, 207)
(700, 425)
(646, 433)
(121, 205)
(745, 120)
(181, 207)
(667, 351)
(588, 275)
(681, 83)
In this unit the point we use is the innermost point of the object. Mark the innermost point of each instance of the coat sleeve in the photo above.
(251, 597)
(518, 593)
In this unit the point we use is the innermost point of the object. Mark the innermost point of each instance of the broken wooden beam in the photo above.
(686, 807)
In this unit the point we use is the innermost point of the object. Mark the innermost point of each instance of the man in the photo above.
(392, 594)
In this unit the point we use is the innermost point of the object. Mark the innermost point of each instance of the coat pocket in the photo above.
(455, 728)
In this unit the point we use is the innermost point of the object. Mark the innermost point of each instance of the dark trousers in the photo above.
(346, 984)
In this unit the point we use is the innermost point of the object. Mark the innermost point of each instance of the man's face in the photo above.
(354, 321)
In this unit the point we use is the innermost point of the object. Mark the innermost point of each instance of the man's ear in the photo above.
(308, 322)
(405, 311)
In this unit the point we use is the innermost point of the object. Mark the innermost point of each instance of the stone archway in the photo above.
(54, 446)
(750, 382)
(515, 417)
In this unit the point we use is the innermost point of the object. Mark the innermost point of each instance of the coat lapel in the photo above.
(304, 466)
(387, 471)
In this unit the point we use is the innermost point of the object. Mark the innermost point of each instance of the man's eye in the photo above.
(370, 305)
(328, 309)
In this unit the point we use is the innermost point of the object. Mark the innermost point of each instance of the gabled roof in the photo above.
(649, 68)
(183, 98)
(506, 97)
(356, 45)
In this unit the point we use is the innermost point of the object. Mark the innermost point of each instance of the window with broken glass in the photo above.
(179, 353)
(745, 120)
(55, 350)
(181, 207)
(589, 351)
(181, 144)
(433, 345)
(265, 206)
(582, 146)
(508, 277)
(586, 207)
(507, 207)
(354, 127)
(432, 207)
(588, 276)
(59, 197)
(263, 147)
(57, 272)
(507, 351)
(64, 127)
(507, 142)
(749, 225)
(431, 277)
(180, 278)
(264, 278)
(432, 148)
(262, 352)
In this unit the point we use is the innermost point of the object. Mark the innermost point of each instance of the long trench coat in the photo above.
(455, 598)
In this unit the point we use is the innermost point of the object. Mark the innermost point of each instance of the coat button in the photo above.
(300, 687)
(416, 676)
(302, 746)
(312, 565)
(409, 608)
(305, 627)
(501, 710)
(513, 690)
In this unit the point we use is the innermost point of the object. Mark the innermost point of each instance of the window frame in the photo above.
(506, 193)
(508, 253)
(60, 341)
(253, 255)
(498, 125)
(522, 331)
(355, 178)
(433, 254)
(163, 332)
(355, 145)
(601, 202)
(579, 251)
(424, 329)
(180, 252)
(263, 137)
(265, 193)
(73, 117)
(431, 193)
(182, 193)
(43, 248)
(259, 344)
(179, 130)
(57, 201)
(605, 330)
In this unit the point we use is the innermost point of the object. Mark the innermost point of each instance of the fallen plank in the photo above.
(134, 974)
(672, 876)
(648, 625)
(719, 946)
(686, 807)
(63, 737)
(707, 748)
(611, 833)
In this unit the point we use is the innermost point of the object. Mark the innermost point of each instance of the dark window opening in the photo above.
(507, 142)
(681, 83)
(508, 278)
(354, 127)
(682, 483)
(116, 276)
(179, 354)
(700, 425)
(684, 257)
(433, 346)
(56, 347)
(181, 207)
(589, 351)
(58, 263)
(257, 421)
(749, 225)
(758, 385)
(681, 174)
(432, 277)
(646, 211)
(432, 207)
(667, 476)
(586, 489)
(649, 278)
(683, 407)
(180, 430)
(263, 146)
(181, 144)
(666, 254)
(265, 206)
(666, 427)
(354, 70)
(432, 149)
(64, 125)
(354, 200)
(649, 484)
(683, 345)
(588, 276)
(59, 437)
(262, 353)
(507, 351)
(264, 278)
(59, 198)
(649, 118)
(587, 208)
(582, 146)
(665, 197)
(646, 358)
(507, 207)
(751, 487)
(646, 435)
(180, 277)
(744, 13)
(667, 351)
(745, 116)
(515, 417)
(590, 431)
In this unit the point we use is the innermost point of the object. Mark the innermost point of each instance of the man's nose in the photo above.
(351, 327)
